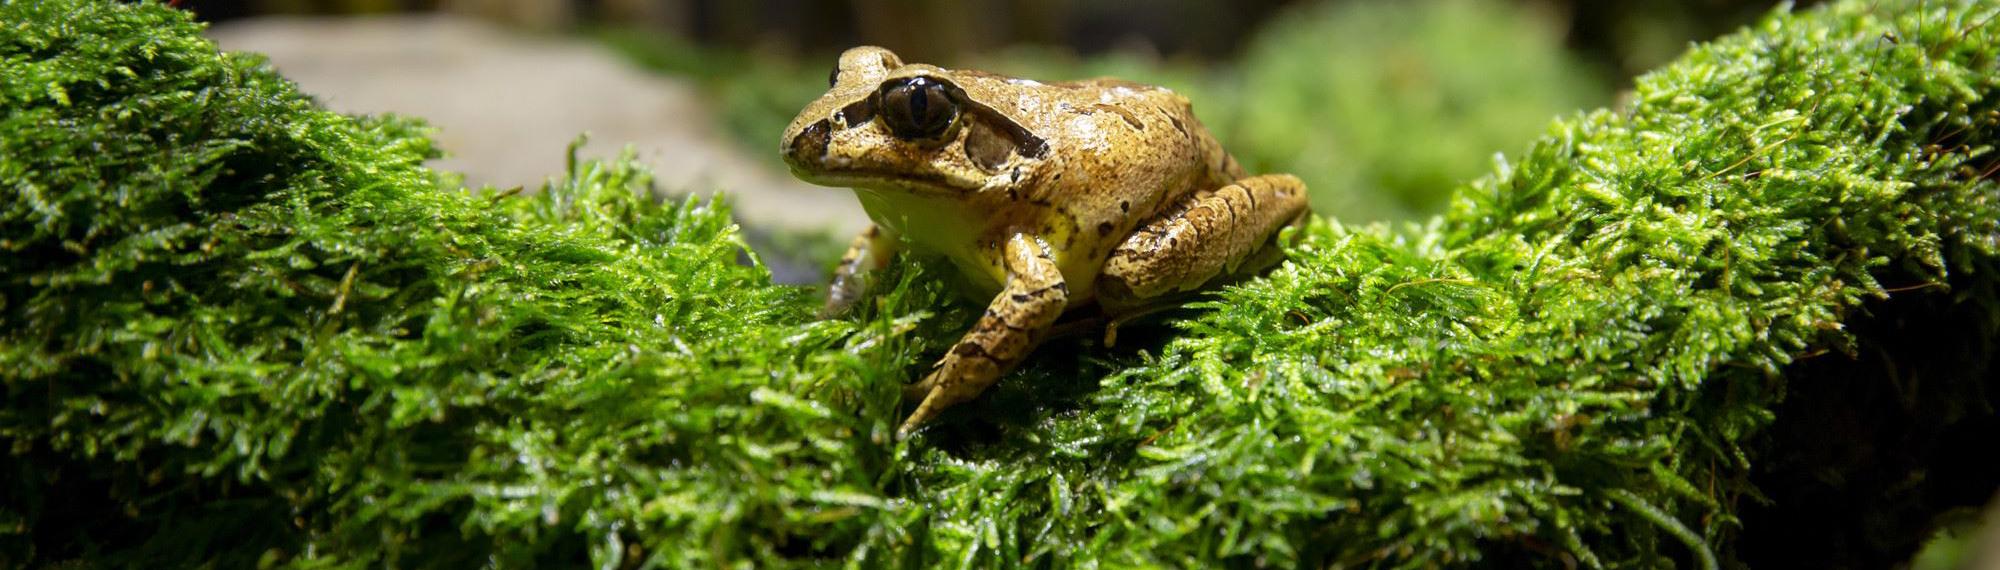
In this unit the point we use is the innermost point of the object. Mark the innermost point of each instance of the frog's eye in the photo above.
(916, 108)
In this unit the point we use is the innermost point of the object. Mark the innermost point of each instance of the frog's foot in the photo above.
(869, 252)
(1217, 234)
(1018, 318)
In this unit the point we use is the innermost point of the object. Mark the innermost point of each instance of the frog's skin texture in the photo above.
(1045, 196)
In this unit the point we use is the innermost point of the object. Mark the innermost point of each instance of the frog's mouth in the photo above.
(822, 154)
(920, 182)
(810, 160)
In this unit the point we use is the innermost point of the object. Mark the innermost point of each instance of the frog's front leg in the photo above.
(1017, 319)
(869, 252)
(1212, 234)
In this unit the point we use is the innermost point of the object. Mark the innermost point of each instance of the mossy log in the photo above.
(1749, 317)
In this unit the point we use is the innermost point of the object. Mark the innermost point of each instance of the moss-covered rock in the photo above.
(237, 328)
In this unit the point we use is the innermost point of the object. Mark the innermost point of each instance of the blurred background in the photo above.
(1382, 106)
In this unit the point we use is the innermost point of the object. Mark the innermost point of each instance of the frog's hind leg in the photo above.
(1213, 236)
(1015, 322)
(869, 252)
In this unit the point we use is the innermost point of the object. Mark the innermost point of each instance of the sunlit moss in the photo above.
(236, 327)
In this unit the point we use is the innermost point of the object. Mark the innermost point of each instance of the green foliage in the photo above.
(1383, 107)
(237, 328)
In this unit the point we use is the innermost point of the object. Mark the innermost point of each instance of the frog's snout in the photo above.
(807, 150)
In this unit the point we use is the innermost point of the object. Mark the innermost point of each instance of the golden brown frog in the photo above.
(1046, 196)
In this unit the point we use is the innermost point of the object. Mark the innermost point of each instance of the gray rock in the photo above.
(507, 103)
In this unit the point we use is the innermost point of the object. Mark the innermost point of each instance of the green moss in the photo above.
(237, 328)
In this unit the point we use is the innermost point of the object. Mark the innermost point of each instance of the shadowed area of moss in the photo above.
(235, 327)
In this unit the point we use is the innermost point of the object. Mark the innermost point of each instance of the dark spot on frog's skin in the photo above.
(1177, 124)
(1104, 229)
(972, 350)
(1125, 206)
(1002, 320)
(1123, 113)
(811, 141)
(1134, 121)
(857, 114)
(1057, 286)
(1068, 216)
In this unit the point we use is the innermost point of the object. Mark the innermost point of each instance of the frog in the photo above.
(1046, 199)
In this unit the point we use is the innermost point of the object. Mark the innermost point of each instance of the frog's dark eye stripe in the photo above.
(856, 114)
(916, 108)
(833, 76)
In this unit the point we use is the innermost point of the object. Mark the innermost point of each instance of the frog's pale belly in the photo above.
(944, 225)
(937, 226)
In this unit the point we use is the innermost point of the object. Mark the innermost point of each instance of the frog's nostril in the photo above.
(811, 142)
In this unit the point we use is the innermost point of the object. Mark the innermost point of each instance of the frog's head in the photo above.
(914, 128)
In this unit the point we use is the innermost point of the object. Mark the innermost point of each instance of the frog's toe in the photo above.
(935, 397)
(916, 391)
(925, 411)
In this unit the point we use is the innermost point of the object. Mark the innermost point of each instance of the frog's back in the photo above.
(1172, 138)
